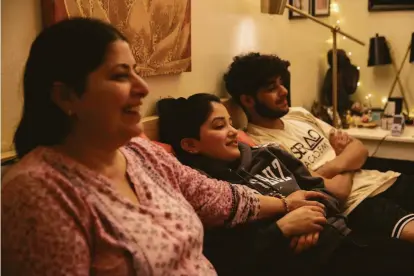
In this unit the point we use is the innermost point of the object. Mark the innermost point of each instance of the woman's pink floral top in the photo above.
(60, 218)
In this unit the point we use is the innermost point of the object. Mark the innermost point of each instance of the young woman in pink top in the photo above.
(87, 198)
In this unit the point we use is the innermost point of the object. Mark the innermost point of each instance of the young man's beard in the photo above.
(267, 112)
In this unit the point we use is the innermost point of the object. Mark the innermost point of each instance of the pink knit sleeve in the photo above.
(41, 232)
(216, 202)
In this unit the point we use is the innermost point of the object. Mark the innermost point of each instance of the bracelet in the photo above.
(285, 204)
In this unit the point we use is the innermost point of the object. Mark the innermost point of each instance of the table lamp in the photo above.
(380, 54)
(278, 6)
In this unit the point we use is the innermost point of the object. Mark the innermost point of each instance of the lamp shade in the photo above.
(273, 6)
(412, 48)
(379, 53)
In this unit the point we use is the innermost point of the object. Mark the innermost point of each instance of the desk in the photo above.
(380, 143)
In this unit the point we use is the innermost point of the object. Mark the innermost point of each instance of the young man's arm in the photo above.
(351, 153)
(352, 157)
(340, 186)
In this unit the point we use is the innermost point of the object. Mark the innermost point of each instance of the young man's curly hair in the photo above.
(249, 73)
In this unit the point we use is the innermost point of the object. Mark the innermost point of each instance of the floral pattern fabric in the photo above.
(60, 218)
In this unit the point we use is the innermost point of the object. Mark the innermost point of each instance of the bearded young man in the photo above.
(378, 202)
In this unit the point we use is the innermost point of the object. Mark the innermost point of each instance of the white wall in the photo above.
(220, 30)
(223, 29)
(20, 23)
(397, 27)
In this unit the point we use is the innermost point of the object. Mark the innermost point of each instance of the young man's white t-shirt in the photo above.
(306, 138)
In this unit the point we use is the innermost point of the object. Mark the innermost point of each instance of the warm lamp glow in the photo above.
(335, 7)
(246, 36)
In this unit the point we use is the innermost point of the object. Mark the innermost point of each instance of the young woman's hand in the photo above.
(301, 198)
(304, 220)
(301, 243)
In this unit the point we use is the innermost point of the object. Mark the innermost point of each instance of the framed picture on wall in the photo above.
(390, 5)
(321, 7)
(304, 5)
(159, 31)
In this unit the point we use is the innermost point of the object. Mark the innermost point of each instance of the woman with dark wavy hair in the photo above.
(201, 133)
(87, 197)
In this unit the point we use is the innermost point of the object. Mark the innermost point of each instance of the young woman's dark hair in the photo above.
(66, 52)
(182, 118)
